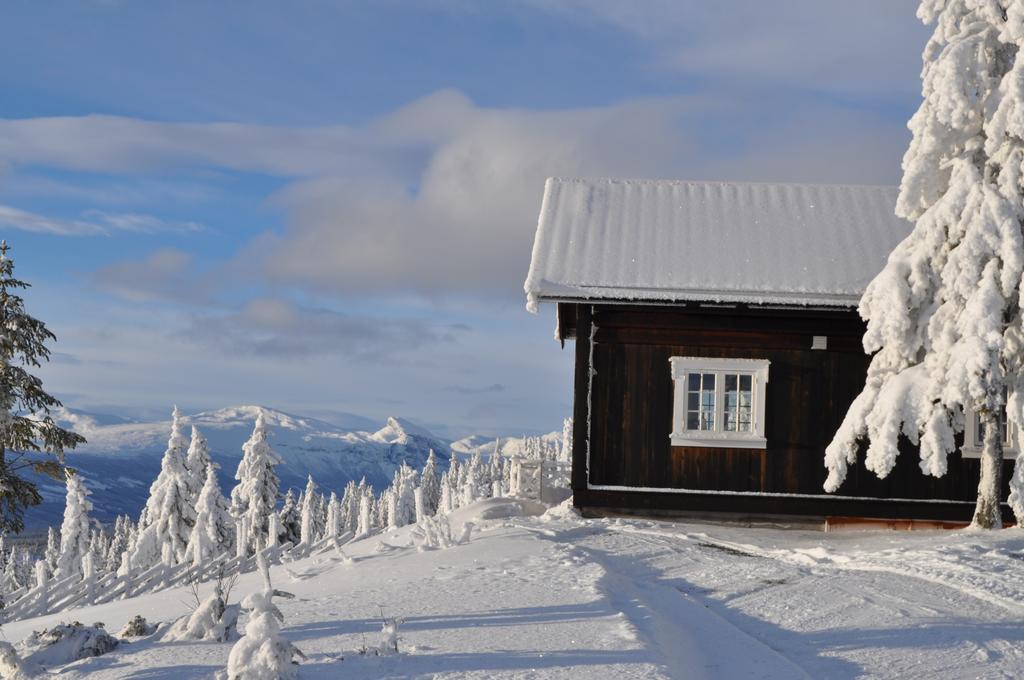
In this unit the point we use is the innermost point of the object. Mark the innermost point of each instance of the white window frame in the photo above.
(756, 368)
(972, 437)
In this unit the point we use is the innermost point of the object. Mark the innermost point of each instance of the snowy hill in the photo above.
(557, 596)
(122, 457)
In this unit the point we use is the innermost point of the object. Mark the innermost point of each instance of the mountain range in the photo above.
(122, 457)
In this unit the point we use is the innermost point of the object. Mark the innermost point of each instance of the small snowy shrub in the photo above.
(262, 654)
(67, 642)
(212, 620)
(12, 667)
(137, 627)
(436, 533)
(389, 637)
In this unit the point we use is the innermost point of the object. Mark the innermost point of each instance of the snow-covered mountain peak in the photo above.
(398, 431)
(235, 416)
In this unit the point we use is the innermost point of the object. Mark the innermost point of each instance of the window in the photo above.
(974, 435)
(719, 402)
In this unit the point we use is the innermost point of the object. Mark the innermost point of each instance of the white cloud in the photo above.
(165, 275)
(96, 223)
(279, 328)
(864, 48)
(440, 196)
(22, 220)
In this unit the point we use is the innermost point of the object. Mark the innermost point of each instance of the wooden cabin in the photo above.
(718, 347)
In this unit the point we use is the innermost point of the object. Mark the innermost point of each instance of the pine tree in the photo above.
(196, 461)
(74, 532)
(310, 529)
(364, 525)
(333, 524)
(472, 483)
(350, 508)
(26, 427)
(447, 502)
(213, 533)
(167, 520)
(497, 469)
(291, 519)
(52, 553)
(404, 494)
(118, 543)
(944, 315)
(431, 485)
(255, 496)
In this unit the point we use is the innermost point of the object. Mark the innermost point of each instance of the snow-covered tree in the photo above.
(196, 461)
(291, 519)
(310, 529)
(430, 482)
(166, 522)
(213, 533)
(332, 526)
(350, 507)
(944, 315)
(118, 543)
(446, 503)
(565, 453)
(255, 496)
(473, 484)
(262, 654)
(26, 426)
(405, 500)
(52, 553)
(497, 469)
(74, 531)
(365, 524)
(9, 581)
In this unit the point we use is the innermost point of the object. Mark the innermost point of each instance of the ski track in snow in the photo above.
(561, 597)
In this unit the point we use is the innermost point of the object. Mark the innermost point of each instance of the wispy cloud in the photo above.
(22, 220)
(95, 223)
(165, 275)
(284, 330)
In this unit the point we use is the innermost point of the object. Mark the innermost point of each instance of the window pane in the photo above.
(707, 401)
(730, 405)
(692, 420)
(746, 400)
(692, 401)
(693, 382)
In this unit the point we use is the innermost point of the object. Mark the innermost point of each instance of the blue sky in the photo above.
(329, 206)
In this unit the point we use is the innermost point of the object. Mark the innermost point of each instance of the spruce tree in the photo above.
(29, 438)
(196, 461)
(944, 315)
(74, 531)
(166, 522)
(52, 549)
(332, 526)
(405, 499)
(430, 483)
(310, 522)
(213, 533)
(291, 519)
(255, 496)
(350, 507)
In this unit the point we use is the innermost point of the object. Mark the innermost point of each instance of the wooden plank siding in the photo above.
(808, 392)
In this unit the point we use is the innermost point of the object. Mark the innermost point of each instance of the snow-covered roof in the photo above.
(661, 240)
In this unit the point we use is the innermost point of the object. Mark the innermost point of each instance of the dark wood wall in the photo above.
(630, 415)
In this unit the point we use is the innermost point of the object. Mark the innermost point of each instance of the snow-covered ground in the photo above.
(559, 596)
